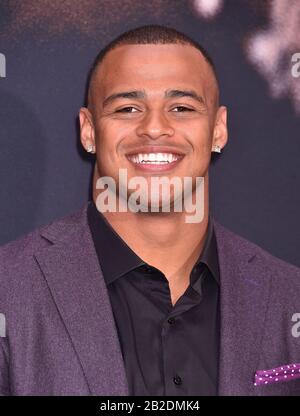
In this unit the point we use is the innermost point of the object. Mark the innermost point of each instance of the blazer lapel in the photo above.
(74, 277)
(245, 287)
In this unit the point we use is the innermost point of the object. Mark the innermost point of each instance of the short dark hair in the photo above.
(149, 34)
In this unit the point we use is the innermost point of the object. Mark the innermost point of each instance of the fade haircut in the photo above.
(149, 34)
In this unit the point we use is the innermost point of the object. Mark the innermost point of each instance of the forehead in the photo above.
(158, 66)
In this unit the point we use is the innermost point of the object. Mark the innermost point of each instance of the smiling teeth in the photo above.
(154, 158)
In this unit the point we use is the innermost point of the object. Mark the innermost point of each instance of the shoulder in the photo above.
(23, 286)
(233, 244)
(20, 251)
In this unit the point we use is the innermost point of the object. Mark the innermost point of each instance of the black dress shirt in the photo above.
(167, 350)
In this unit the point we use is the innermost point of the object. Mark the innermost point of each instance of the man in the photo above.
(120, 302)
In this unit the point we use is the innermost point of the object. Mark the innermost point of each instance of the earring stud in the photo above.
(217, 149)
(90, 148)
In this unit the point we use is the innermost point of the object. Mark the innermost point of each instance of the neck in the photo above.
(163, 240)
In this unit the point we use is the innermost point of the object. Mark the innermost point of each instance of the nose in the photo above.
(154, 125)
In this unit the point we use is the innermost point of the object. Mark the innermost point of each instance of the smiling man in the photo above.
(155, 113)
(143, 302)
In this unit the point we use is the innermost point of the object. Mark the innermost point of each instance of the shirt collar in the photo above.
(116, 258)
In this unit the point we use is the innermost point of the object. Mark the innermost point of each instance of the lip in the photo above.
(150, 167)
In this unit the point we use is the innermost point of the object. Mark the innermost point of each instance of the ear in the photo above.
(220, 134)
(87, 131)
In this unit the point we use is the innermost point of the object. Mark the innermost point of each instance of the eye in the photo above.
(125, 110)
(183, 109)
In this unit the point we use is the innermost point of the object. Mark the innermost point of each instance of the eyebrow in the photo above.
(139, 94)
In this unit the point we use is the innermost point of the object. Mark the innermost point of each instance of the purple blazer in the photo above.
(61, 338)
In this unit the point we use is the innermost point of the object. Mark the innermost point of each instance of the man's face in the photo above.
(165, 120)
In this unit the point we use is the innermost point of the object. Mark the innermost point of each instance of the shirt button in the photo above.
(171, 321)
(177, 380)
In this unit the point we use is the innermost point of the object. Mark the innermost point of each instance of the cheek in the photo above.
(203, 150)
(200, 139)
(199, 135)
(110, 136)
(107, 142)
(109, 139)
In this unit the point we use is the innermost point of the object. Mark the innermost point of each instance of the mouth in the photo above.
(155, 161)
